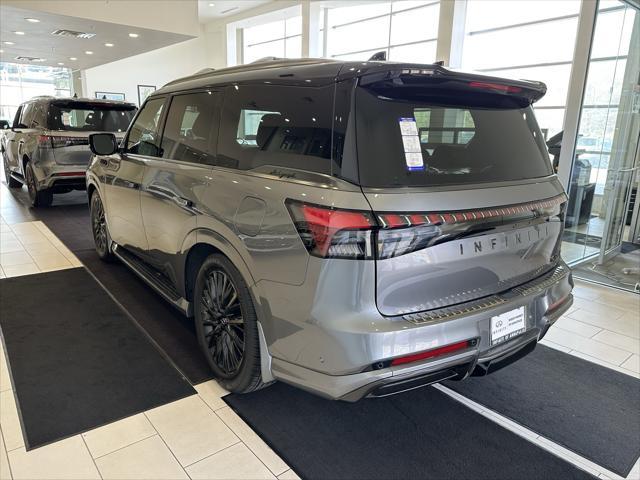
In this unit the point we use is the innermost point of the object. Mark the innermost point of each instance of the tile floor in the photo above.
(200, 437)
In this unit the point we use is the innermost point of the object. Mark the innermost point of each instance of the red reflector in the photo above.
(431, 353)
(496, 86)
(557, 303)
(69, 174)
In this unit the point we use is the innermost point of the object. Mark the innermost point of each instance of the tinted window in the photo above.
(26, 116)
(191, 129)
(144, 137)
(407, 143)
(277, 126)
(39, 118)
(92, 117)
(16, 119)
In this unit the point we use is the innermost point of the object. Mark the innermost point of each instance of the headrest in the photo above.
(268, 124)
(201, 126)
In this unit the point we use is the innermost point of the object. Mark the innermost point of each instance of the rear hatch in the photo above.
(456, 172)
(70, 122)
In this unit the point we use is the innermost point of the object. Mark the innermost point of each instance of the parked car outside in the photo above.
(47, 147)
(354, 229)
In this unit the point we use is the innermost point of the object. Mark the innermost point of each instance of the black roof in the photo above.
(318, 72)
(51, 98)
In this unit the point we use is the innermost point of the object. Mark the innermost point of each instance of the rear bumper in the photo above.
(545, 300)
(62, 177)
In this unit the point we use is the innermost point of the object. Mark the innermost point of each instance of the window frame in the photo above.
(219, 100)
(160, 126)
(227, 103)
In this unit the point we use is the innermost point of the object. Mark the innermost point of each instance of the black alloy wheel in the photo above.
(222, 322)
(227, 325)
(39, 198)
(99, 228)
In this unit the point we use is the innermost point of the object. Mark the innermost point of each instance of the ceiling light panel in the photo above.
(72, 33)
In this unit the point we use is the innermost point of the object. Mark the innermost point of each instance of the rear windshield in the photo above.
(92, 117)
(409, 143)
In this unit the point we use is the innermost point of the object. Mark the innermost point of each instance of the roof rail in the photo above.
(205, 70)
(267, 59)
(380, 56)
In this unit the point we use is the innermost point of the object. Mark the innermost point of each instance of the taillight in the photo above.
(496, 87)
(339, 233)
(333, 233)
(55, 141)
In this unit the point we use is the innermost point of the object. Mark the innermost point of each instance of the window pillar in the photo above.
(311, 46)
(451, 32)
(577, 83)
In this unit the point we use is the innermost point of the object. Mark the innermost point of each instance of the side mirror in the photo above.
(103, 143)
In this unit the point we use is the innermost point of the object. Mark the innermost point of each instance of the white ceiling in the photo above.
(37, 40)
(213, 10)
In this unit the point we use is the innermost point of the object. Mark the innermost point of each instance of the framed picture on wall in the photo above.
(144, 91)
(110, 96)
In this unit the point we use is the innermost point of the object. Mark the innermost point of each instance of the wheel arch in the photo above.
(198, 245)
(201, 243)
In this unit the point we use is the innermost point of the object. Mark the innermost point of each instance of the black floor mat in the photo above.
(173, 332)
(592, 410)
(77, 360)
(68, 219)
(422, 434)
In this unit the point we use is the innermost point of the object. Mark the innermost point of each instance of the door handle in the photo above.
(183, 202)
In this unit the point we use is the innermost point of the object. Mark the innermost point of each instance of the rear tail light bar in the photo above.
(436, 352)
(58, 141)
(328, 232)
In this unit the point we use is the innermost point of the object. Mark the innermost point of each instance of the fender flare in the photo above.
(217, 241)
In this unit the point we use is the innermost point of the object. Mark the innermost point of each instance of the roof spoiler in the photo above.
(435, 80)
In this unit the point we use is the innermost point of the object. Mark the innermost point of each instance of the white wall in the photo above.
(152, 68)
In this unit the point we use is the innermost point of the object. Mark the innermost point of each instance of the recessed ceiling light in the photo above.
(19, 32)
(134, 35)
(108, 44)
(1, 51)
(72, 58)
(60, 63)
(212, 4)
(8, 43)
(32, 20)
(89, 52)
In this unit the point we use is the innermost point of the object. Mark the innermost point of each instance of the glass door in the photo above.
(623, 159)
(606, 158)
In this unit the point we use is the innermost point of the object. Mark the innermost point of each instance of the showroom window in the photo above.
(281, 38)
(405, 30)
(19, 83)
(522, 40)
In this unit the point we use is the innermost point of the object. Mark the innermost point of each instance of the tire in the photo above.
(221, 331)
(11, 182)
(101, 238)
(39, 198)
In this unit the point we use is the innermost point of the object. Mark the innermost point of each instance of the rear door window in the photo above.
(191, 128)
(407, 143)
(144, 136)
(280, 126)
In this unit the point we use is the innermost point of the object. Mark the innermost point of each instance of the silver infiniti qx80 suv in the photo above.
(47, 147)
(355, 229)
